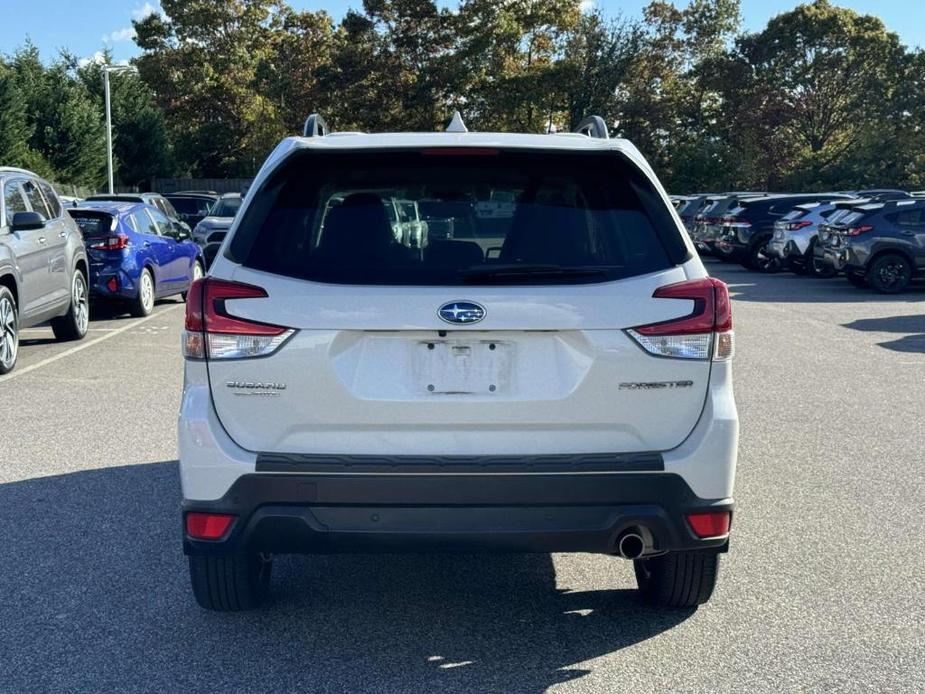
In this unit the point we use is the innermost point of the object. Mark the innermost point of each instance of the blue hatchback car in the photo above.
(136, 253)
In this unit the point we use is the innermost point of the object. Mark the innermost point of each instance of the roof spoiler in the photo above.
(593, 126)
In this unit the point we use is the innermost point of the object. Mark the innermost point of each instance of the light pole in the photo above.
(106, 70)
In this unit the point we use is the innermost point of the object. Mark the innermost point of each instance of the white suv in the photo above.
(549, 375)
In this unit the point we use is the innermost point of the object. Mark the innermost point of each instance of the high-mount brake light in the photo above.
(460, 152)
(705, 333)
(212, 333)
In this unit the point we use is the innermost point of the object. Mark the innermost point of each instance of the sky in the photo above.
(85, 27)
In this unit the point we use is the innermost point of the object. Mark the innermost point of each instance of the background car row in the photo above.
(875, 237)
(127, 250)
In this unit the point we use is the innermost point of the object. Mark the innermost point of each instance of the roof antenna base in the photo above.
(456, 124)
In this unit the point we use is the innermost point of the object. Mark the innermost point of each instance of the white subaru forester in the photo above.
(545, 367)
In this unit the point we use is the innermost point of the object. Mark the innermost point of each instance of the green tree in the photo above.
(819, 79)
(201, 59)
(66, 120)
(507, 70)
(141, 147)
(15, 127)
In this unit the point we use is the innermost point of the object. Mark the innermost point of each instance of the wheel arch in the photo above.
(81, 264)
(8, 280)
(891, 250)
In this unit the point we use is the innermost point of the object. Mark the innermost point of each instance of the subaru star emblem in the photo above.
(461, 312)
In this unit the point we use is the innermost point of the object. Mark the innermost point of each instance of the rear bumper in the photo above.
(321, 512)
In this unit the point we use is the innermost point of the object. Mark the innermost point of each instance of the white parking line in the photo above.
(83, 345)
(37, 332)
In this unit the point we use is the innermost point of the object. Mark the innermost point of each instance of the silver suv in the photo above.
(43, 264)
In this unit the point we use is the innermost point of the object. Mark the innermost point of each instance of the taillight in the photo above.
(704, 333)
(857, 231)
(736, 221)
(208, 526)
(795, 226)
(211, 332)
(109, 243)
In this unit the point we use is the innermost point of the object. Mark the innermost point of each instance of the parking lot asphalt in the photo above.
(823, 590)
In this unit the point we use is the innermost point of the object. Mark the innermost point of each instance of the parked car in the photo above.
(212, 229)
(192, 207)
(880, 245)
(708, 222)
(43, 264)
(688, 209)
(137, 254)
(794, 241)
(153, 199)
(746, 229)
(557, 380)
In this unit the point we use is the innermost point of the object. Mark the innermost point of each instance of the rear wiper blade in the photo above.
(515, 271)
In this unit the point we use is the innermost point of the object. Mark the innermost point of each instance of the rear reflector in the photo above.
(208, 526)
(705, 333)
(710, 524)
(213, 333)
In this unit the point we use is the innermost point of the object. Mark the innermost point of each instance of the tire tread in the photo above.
(678, 579)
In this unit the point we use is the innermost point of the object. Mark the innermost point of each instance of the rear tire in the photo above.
(143, 304)
(677, 579)
(760, 261)
(73, 324)
(232, 582)
(890, 273)
(9, 331)
(820, 270)
(198, 272)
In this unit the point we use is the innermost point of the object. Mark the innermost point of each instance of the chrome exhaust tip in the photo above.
(631, 545)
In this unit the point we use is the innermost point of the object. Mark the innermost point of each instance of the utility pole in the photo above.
(106, 70)
(108, 125)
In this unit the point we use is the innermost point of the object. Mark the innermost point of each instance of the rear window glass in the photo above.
(850, 217)
(226, 207)
(794, 214)
(191, 205)
(497, 218)
(92, 223)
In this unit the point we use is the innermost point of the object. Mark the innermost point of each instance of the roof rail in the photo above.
(315, 126)
(593, 126)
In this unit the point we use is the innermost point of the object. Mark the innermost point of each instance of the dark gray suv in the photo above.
(43, 264)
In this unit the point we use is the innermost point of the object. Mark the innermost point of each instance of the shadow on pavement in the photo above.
(787, 287)
(912, 328)
(96, 597)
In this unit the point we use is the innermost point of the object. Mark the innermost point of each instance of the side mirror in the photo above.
(26, 221)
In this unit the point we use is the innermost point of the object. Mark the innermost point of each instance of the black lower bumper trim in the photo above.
(540, 512)
(580, 462)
